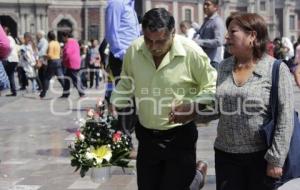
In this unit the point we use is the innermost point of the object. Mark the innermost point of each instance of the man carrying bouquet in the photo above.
(163, 70)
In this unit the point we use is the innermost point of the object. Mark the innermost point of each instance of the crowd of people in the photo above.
(37, 60)
(168, 80)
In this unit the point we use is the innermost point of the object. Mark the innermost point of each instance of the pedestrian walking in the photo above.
(4, 52)
(10, 64)
(42, 47)
(211, 34)
(158, 69)
(242, 158)
(54, 66)
(28, 60)
(71, 62)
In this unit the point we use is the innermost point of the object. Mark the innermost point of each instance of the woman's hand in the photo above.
(273, 171)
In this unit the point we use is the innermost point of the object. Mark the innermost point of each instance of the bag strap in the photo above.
(274, 89)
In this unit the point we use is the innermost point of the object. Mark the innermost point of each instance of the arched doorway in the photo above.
(62, 26)
(10, 23)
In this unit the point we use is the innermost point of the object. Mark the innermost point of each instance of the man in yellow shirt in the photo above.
(162, 70)
(54, 64)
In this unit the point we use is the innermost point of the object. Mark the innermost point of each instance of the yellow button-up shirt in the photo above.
(53, 50)
(184, 75)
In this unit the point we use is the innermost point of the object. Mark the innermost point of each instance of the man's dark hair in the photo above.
(215, 2)
(67, 33)
(158, 18)
(51, 36)
(7, 30)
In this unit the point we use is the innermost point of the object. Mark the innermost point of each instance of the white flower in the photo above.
(72, 145)
(82, 122)
(81, 137)
(89, 155)
(98, 161)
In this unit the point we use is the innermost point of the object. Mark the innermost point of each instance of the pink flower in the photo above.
(79, 135)
(117, 136)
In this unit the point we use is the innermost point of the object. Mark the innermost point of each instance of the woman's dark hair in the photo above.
(252, 22)
(158, 18)
(51, 36)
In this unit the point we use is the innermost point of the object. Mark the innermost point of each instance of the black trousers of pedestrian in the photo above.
(23, 80)
(73, 75)
(166, 160)
(127, 117)
(241, 171)
(10, 68)
(42, 76)
(54, 68)
(115, 64)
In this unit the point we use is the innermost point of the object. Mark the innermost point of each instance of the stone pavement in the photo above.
(34, 135)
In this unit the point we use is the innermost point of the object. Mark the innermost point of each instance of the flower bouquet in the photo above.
(98, 143)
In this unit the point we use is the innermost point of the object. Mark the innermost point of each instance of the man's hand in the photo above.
(273, 171)
(182, 113)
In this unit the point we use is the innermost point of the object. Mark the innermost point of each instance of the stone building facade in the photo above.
(86, 17)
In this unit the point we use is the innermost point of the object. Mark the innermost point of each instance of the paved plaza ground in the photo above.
(34, 135)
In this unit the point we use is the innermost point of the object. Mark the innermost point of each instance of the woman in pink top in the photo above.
(4, 52)
(4, 44)
(71, 61)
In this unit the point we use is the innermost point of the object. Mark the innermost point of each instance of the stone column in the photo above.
(27, 24)
(285, 23)
(38, 22)
(175, 14)
(272, 15)
(200, 13)
(23, 24)
(46, 26)
(148, 5)
(86, 24)
(102, 21)
(42, 22)
(101, 36)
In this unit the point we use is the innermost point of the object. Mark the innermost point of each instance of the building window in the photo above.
(188, 14)
(262, 5)
(292, 22)
(94, 32)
